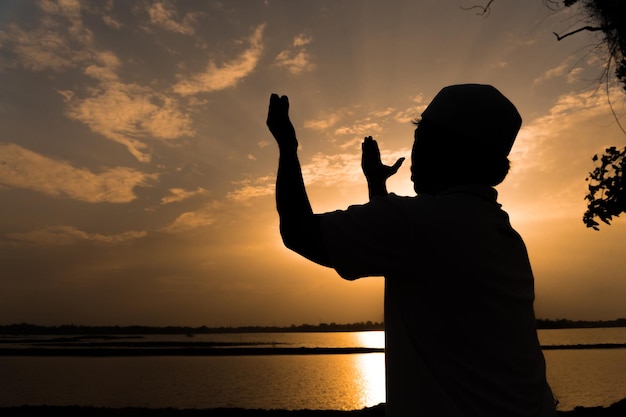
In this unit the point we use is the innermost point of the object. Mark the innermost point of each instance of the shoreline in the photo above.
(182, 350)
(614, 410)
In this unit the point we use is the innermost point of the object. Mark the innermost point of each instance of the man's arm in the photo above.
(375, 172)
(299, 226)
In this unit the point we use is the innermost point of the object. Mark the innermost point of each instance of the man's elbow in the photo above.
(292, 238)
(305, 243)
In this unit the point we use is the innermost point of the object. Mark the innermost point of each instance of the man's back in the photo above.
(459, 319)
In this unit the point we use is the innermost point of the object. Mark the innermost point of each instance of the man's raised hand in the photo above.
(373, 168)
(279, 124)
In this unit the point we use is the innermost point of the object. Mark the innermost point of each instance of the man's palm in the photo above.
(373, 168)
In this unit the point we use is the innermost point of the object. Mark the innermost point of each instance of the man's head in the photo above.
(464, 137)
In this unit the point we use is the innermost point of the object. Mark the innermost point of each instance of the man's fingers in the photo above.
(274, 99)
(370, 146)
(279, 103)
(395, 167)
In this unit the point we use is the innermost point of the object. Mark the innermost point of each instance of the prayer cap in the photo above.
(477, 112)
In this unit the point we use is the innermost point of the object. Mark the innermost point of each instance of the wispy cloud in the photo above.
(574, 108)
(67, 235)
(180, 194)
(228, 74)
(566, 68)
(569, 114)
(55, 42)
(552, 153)
(192, 220)
(251, 188)
(413, 111)
(164, 15)
(323, 123)
(359, 128)
(111, 22)
(127, 113)
(297, 59)
(131, 114)
(22, 168)
(358, 123)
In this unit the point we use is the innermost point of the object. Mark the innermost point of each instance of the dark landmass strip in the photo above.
(227, 351)
(579, 324)
(615, 410)
(71, 329)
(183, 351)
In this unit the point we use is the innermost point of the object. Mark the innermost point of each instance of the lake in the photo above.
(588, 377)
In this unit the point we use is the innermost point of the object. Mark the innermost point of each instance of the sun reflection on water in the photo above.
(371, 339)
(370, 379)
(370, 369)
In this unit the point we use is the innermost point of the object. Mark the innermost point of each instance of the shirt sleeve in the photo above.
(367, 240)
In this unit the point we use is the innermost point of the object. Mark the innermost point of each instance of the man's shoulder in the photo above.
(394, 202)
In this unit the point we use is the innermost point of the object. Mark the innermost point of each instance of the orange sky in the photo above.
(137, 175)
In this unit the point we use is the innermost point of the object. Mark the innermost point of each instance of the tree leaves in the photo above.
(607, 188)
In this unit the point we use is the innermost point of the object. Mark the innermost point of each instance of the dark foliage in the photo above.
(607, 188)
(609, 16)
(607, 191)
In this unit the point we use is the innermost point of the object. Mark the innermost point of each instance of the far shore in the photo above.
(183, 351)
(615, 410)
(73, 329)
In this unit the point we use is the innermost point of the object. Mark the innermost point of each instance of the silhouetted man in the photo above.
(460, 328)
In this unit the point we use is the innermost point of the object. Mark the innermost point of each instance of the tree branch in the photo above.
(485, 9)
(587, 28)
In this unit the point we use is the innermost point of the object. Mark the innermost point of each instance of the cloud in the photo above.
(298, 59)
(111, 22)
(252, 188)
(163, 15)
(563, 68)
(323, 123)
(302, 40)
(360, 128)
(21, 168)
(127, 113)
(56, 42)
(371, 122)
(569, 111)
(574, 108)
(552, 155)
(413, 111)
(219, 77)
(179, 194)
(67, 235)
(192, 220)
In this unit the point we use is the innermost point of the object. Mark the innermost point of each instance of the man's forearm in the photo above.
(299, 226)
(291, 197)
